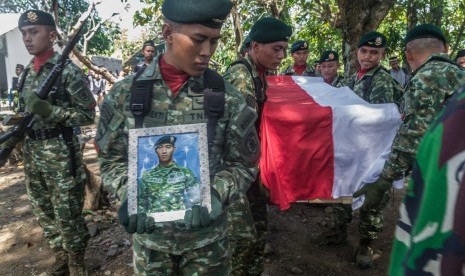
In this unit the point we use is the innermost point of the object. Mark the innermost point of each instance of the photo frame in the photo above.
(168, 171)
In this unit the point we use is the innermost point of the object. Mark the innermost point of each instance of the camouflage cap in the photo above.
(329, 55)
(35, 17)
(167, 139)
(270, 29)
(299, 45)
(425, 31)
(210, 13)
(372, 39)
(460, 54)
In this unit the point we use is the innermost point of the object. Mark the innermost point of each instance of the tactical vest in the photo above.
(214, 100)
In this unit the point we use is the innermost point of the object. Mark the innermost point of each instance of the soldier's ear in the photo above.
(167, 32)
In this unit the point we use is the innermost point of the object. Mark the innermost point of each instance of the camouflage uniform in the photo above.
(434, 202)
(384, 89)
(309, 71)
(338, 81)
(232, 167)
(56, 196)
(163, 189)
(248, 217)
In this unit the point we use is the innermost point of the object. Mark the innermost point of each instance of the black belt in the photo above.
(44, 134)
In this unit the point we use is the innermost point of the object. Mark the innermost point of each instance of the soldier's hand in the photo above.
(199, 216)
(374, 192)
(38, 106)
(139, 223)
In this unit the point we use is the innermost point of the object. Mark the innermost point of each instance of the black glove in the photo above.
(38, 106)
(374, 192)
(139, 223)
(199, 216)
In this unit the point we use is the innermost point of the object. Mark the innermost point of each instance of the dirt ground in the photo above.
(291, 247)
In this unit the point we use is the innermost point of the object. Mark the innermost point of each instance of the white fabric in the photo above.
(362, 135)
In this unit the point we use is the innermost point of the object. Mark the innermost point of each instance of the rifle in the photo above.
(28, 119)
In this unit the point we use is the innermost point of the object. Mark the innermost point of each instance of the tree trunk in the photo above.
(357, 18)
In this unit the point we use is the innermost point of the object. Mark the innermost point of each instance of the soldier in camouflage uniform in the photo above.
(197, 245)
(167, 186)
(372, 82)
(55, 187)
(434, 79)
(299, 53)
(248, 224)
(434, 202)
(329, 64)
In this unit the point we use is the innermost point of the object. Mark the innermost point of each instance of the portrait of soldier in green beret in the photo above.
(168, 186)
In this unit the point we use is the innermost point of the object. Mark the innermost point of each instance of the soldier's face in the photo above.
(190, 46)
(328, 69)
(38, 38)
(18, 71)
(269, 55)
(148, 53)
(300, 57)
(165, 153)
(369, 57)
(461, 61)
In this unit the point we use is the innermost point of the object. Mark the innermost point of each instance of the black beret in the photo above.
(329, 55)
(35, 17)
(425, 31)
(167, 139)
(270, 29)
(210, 13)
(299, 45)
(372, 39)
(460, 54)
(20, 66)
(148, 43)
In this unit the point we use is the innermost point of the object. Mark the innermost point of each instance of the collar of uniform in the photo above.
(51, 61)
(370, 72)
(443, 55)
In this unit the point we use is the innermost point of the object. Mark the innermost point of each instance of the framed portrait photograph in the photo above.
(168, 171)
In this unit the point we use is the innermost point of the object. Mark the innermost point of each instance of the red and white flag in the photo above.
(321, 142)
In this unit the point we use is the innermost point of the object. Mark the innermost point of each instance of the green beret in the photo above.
(329, 55)
(35, 17)
(210, 13)
(424, 31)
(372, 39)
(460, 54)
(299, 45)
(270, 29)
(167, 139)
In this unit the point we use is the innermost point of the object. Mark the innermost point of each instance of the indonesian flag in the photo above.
(321, 142)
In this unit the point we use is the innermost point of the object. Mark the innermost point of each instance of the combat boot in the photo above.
(364, 254)
(60, 267)
(76, 264)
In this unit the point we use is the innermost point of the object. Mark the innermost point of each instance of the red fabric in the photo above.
(297, 161)
(173, 76)
(299, 69)
(40, 60)
(360, 73)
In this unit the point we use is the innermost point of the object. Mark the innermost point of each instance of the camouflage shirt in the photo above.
(233, 155)
(309, 71)
(431, 84)
(383, 88)
(73, 105)
(164, 189)
(241, 78)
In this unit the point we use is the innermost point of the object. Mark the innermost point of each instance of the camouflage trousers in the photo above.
(57, 199)
(213, 259)
(371, 220)
(247, 222)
